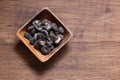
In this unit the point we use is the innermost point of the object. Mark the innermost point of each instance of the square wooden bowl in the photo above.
(45, 13)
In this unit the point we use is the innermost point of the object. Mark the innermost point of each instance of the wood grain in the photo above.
(92, 54)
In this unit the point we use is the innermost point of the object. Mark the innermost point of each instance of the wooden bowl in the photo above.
(45, 13)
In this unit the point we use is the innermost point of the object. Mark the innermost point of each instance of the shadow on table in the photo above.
(34, 63)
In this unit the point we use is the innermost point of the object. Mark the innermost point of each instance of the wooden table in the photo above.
(92, 54)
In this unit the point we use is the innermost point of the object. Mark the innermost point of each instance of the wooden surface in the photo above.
(92, 54)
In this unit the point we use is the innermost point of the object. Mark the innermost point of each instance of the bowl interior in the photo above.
(44, 14)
